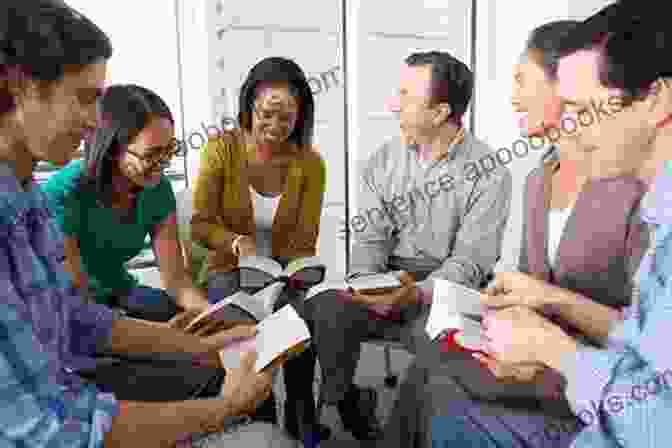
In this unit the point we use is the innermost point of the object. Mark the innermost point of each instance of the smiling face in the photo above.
(145, 158)
(619, 140)
(532, 95)
(274, 114)
(55, 121)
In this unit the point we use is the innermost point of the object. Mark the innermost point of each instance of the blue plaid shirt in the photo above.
(46, 330)
(626, 388)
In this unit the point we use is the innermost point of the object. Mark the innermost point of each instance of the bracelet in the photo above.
(234, 244)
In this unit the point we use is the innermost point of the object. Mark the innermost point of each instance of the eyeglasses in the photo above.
(159, 155)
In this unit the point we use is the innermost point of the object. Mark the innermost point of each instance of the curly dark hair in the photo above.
(42, 40)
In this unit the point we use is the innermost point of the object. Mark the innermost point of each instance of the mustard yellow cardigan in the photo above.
(223, 206)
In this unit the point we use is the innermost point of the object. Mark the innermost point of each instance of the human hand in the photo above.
(516, 288)
(405, 294)
(247, 246)
(244, 389)
(182, 320)
(193, 299)
(521, 373)
(219, 340)
(519, 335)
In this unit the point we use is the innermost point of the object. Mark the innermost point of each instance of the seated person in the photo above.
(579, 277)
(110, 202)
(425, 209)
(49, 86)
(620, 389)
(259, 192)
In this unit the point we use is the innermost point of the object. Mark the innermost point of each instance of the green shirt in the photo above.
(106, 242)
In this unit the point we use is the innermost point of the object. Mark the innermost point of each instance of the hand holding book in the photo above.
(403, 294)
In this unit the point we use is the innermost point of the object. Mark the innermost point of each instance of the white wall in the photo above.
(502, 29)
(380, 34)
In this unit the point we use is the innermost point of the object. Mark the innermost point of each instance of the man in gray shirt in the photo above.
(434, 204)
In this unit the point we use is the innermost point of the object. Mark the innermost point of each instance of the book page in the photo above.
(375, 281)
(451, 304)
(252, 304)
(264, 264)
(278, 333)
(301, 263)
(459, 298)
(268, 296)
(325, 286)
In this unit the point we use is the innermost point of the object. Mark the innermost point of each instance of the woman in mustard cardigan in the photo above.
(259, 192)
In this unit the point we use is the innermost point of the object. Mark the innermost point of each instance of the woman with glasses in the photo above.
(50, 83)
(259, 193)
(110, 202)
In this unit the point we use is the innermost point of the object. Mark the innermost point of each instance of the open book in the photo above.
(259, 306)
(363, 283)
(456, 312)
(283, 332)
(258, 272)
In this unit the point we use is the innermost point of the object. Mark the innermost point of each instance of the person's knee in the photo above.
(456, 430)
(330, 306)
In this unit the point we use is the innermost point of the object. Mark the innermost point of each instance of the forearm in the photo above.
(212, 233)
(163, 424)
(186, 294)
(133, 336)
(589, 317)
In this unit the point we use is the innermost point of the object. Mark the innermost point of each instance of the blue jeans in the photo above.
(145, 302)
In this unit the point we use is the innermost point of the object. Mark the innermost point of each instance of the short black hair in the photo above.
(635, 43)
(286, 71)
(452, 81)
(43, 40)
(125, 110)
(545, 44)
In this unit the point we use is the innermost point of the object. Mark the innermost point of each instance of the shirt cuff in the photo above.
(587, 372)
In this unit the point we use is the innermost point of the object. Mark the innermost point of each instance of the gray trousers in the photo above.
(434, 410)
(338, 329)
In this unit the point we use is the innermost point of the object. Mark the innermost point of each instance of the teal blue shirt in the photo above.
(106, 242)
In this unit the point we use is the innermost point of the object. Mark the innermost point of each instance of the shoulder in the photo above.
(311, 161)
(162, 193)
(225, 142)
(389, 154)
(480, 163)
(65, 180)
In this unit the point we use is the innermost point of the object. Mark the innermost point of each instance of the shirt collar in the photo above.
(657, 203)
(449, 150)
